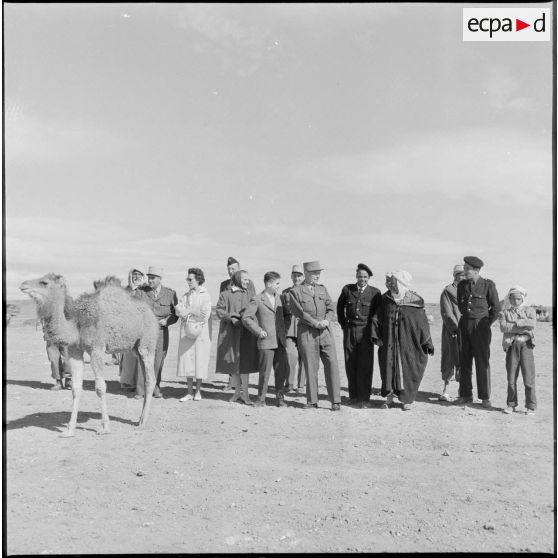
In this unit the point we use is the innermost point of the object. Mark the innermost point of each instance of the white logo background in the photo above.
(532, 16)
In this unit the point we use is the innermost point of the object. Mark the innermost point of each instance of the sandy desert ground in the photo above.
(211, 476)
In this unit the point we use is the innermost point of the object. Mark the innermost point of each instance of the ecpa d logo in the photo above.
(506, 24)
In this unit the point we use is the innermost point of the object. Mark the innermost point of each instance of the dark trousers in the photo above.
(474, 341)
(315, 344)
(296, 376)
(161, 353)
(520, 357)
(276, 359)
(359, 361)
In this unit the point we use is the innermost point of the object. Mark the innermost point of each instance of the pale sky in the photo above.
(178, 135)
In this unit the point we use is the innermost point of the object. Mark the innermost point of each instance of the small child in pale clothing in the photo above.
(517, 322)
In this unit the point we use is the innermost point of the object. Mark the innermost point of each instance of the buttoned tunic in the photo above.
(310, 306)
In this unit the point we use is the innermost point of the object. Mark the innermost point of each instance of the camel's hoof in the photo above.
(103, 430)
(67, 434)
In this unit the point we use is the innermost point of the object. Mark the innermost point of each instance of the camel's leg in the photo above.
(76, 366)
(148, 364)
(97, 364)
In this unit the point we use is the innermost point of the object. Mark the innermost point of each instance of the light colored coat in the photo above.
(193, 354)
(261, 316)
(517, 321)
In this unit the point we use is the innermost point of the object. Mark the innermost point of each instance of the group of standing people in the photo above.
(469, 306)
(290, 332)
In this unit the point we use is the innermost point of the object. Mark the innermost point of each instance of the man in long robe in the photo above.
(450, 313)
(400, 329)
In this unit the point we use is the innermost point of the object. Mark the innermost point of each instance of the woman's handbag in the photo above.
(192, 329)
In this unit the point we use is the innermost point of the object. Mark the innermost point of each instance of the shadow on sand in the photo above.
(113, 386)
(57, 421)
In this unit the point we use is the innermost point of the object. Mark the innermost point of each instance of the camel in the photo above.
(106, 321)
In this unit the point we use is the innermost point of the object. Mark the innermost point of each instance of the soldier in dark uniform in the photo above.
(355, 307)
(162, 301)
(477, 299)
(312, 305)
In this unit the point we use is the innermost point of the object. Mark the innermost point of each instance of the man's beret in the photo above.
(473, 261)
(365, 268)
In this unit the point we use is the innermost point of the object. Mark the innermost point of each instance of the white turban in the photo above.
(133, 285)
(404, 279)
(517, 289)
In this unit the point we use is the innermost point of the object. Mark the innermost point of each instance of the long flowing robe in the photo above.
(450, 346)
(404, 333)
(130, 362)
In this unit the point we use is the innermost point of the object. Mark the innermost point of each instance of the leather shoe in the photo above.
(336, 407)
(310, 406)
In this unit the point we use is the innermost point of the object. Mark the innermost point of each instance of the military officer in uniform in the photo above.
(296, 378)
(355, 307)
(311, 304)
(477, 299)
(162, 301)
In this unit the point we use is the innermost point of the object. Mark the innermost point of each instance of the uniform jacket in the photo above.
(163, 306)
(354, 308)
(310, 308)
(479, 300)
(449, 308)
(261, 316)
(520, 321)
(291, 322)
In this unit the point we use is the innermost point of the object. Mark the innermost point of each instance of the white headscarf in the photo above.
(404, 279)
(130, 282)
(516, 289)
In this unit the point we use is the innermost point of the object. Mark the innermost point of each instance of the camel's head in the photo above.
(44, 288)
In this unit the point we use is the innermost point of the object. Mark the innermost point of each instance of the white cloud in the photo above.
(494, 164)
(220, 29)
(42, 140)
(502, 88)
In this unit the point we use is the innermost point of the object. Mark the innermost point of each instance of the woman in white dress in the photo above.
(194, 346)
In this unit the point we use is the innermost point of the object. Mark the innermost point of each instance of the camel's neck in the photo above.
(54, 313)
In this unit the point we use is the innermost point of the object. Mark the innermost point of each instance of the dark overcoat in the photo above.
(237, 351)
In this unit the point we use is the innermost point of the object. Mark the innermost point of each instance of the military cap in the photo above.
(154, 270)
(231, 261)
(312, 266)
(473, 261)
(364, 267)
(297, 269)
